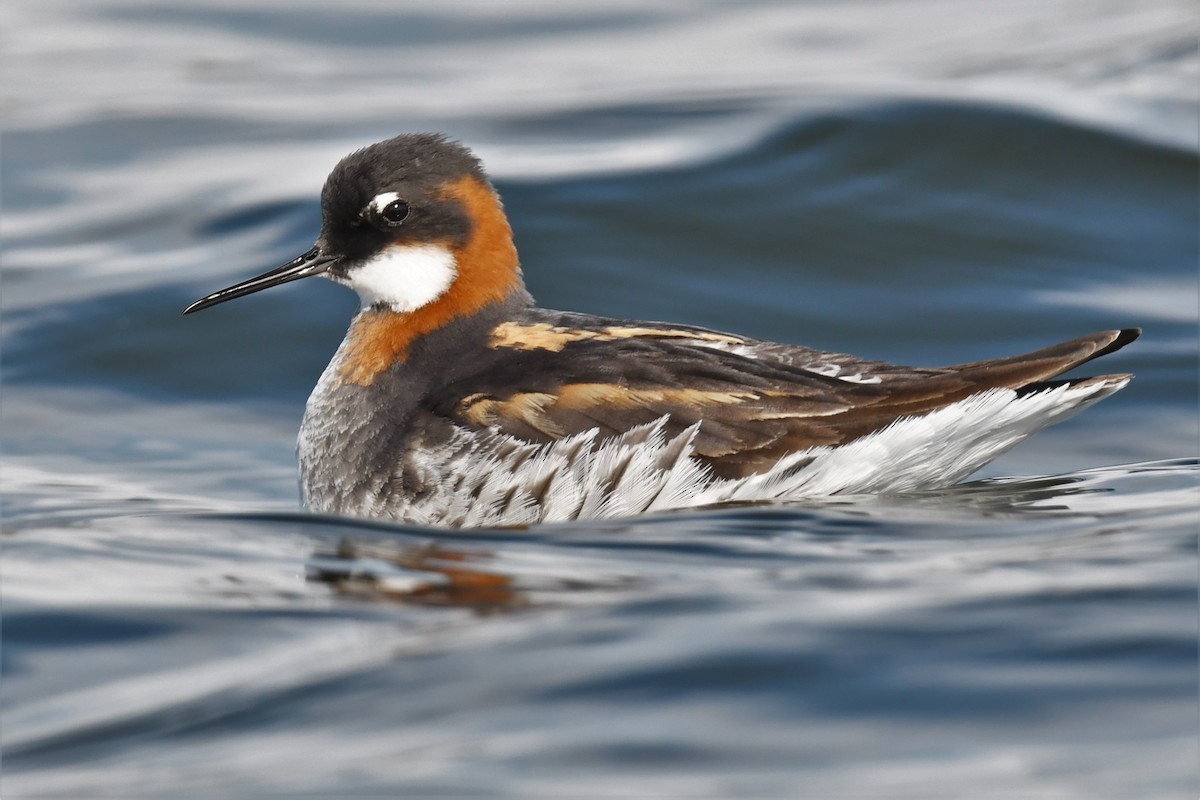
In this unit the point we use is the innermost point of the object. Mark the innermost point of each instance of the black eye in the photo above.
(395, 212)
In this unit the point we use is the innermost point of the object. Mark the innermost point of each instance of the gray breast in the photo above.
(354, 444)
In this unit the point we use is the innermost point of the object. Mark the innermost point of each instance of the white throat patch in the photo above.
(404, 277)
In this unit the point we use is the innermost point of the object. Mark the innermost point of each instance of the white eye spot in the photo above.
(380, 201)
(403, 277)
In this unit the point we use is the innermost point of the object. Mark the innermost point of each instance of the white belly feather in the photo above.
(494, 479)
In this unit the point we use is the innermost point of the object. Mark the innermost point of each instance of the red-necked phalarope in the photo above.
(454, 400)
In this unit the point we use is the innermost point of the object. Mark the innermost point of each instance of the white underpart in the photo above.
(499, 480)
(403, 277)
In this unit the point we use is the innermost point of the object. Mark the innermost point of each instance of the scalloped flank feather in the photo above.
(504, 481)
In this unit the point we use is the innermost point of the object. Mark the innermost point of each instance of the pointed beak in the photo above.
(314, 262)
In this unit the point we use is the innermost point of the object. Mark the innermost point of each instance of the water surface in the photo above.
(847, 176)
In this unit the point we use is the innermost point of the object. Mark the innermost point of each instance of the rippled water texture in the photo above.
(924, 182)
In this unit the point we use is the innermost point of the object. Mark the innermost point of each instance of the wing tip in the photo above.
(1119, 339)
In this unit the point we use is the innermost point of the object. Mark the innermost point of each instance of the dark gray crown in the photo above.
(414, 165)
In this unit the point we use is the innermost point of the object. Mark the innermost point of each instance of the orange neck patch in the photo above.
(487, 273)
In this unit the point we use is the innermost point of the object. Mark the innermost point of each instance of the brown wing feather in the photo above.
(751, 413)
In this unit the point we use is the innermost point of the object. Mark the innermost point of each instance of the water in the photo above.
(922, 182)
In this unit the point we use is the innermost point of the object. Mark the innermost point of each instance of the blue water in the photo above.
(923, 182)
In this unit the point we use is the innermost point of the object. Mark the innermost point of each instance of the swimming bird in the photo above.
(454, 400)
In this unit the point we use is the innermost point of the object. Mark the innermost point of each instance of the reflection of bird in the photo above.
(453, 400)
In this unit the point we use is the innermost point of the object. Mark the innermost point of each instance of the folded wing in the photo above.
(755, 401)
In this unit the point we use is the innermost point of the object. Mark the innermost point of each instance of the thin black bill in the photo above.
(304, 266)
